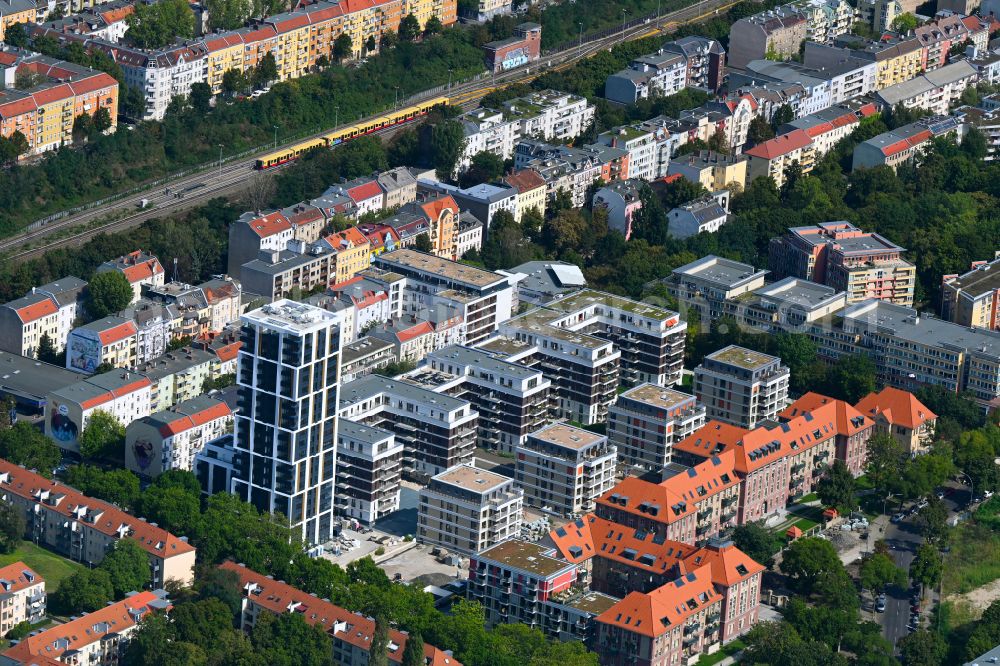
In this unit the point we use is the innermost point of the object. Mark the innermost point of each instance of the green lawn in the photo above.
(974, 559)
(727, 650)
(805, 524)
(805, 499)
(52, 567)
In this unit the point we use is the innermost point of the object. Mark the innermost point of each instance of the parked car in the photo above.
(940, 494)
(898, 517)
(987, 494)
(880, 604)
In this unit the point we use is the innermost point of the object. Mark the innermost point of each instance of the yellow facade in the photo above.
(529, 199)
(55, 124)
(901, 68)
(220, 61)
(25, 16)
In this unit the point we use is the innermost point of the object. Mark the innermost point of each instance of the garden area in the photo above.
(53, 568)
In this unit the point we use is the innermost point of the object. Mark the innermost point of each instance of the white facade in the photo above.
(369, 467)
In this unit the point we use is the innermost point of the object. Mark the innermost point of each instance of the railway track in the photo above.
(195, 189)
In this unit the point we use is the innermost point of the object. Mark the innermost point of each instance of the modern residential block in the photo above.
(646, 421)
(369, 469)
(741, 386)
(286, 426)
(973, 299)
(468, 510)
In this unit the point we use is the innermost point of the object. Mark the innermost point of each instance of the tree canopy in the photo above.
(108, 293)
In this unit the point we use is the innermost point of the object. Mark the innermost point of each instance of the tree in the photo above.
(118, 486)
(127, 566)
(342, 47)
(413, 653)
(433, 26)
(223, 585)
(389, 39)
(904, 22)
(153, 26)
(287, 640)
(934, 521)
(234, 82)
(13, 147)
(836, 487)
(107, 293)
(806, 559)
(878, 571)
(228, 14)
(782, 115)
(851, 378)
(24, 444)
(927, 566)
(102, 119)
(423, 243)
(447, 140)
(16, 35)
(259, 191)
(200, 621)
(265, 71)
(83, 592)
(201, 97)
(172, 508)
(884, 459)
(923, 648)
(758, 542)
(409, 28)
(370, 44)
(103, 436)
(46, 350)
(12, 527)
(759, 131)
(485, 167)
(378, 654)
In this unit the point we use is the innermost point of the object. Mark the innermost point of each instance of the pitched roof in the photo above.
(18, 576)
(85, 630)
(353, 628)
(99, 515)
(780, 145)
(435, 207)
(183, 421)
(729, 564)
(849, 419)
(365, 191)
(270, 224)
(525, 180)
(42, 306)
(897, 407)
(591, 536)
(117, 333)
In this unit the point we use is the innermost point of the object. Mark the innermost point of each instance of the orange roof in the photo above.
(270, 224)
(92, 83)
(143, 271)
(435, 207)
(423, 328)
(53, 94)
(666, 607)
(353, 628)
(228, 352)
(185, 422)
(849, 419)
(365, 191)
(909, 142)
(140, 383)
(35, 311)
(351, 236)
(18, 576)
(729, 564)
(117, 333)
(17, 107)
(83, 631)
(897, 407)
(793, 532)
(525, 180)
(590, 536)
(781, 145)
(107, 518)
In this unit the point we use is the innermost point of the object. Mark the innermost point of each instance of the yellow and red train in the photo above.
(347, 133)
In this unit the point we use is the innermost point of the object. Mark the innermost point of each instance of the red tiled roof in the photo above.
(140, 383)
(116, 333)
(590, 536)
(17, 107)
(270, 224)
(350, 235)
(525, 180)
(897, 406)
(19, 576)
(730, 565)
(423, 328)
(143, 271)
(53, 94)
(228, 352)
(365, 191)
(92, 83)
(435, 207)
(904, 144)
(185, 422)
(665, 608)
(85, 630)
(352, 628)
(781, 145)
(108, 518)
(849, 419)
(35, 311)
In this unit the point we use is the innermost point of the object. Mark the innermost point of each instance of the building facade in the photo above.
(741, 386)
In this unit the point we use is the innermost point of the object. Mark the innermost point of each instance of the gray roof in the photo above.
(987, 658)
(361, 432)
(104, 324)
(980, 280)
(477, 358)
(395, 179)
(922, 329)
(804, 293)
(175, 361)
(65, 290)
(552, 277)
(717, 270)
(372, 386)
(932, 80)
(31, 379)
(361, 348)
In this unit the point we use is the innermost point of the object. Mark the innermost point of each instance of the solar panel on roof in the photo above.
(578, 522)
(560, 532)
(690, 577)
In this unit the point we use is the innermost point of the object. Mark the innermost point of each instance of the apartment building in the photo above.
(45, 112)
(350, 633)
(936, 91)
(352, 253)
(905, 143)
(642, 146)
(180, 375)
(827, 127)
(399, 187)
(84, 529)
(563, 469)
(571, 170)
(369, 470)
(853, 428)
(838, 254)
(973, 299)
(286, 425)
(111, 340)
(253, 232)
(548, 115)
(123, 394)
(710, 282)
(49, 310)
(657, 74)
(896, 59)
(140, 268)
(704, 215)
(705, 61)
(713, 171)
(22, 596)
(939, 36)
(790, 305)
(645, 422)
(99, 638)
(824, 86)
(469, 235)
(512, 400)
(13, 12)
(363, 357)
(901, 415)
(483, 299)
(621, 200)
(171, 439)
(437, 431)
(413, 338)
(483, 200)
(741, 386)
(520, 581)
(531, 192)
(769, 33)
(468, 510)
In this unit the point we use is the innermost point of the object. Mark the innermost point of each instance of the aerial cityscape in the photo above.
(499, 332)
